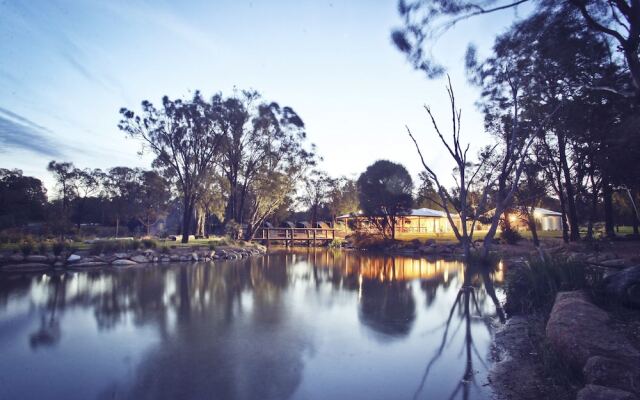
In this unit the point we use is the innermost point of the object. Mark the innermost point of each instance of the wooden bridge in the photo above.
(290, 236)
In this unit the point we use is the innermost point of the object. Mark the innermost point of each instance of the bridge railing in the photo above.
(288, 235)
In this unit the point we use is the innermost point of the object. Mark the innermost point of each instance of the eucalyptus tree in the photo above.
(263, 156)
(343, 197)
(65, 176)
(315, 194)
(616, 21)
(185, 136)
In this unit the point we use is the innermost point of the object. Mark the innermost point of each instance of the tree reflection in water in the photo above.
(465, 301)
(248, 329)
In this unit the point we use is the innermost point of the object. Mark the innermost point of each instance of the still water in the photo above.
(296, 325)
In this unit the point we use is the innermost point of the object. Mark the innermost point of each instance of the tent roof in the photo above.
(545, 212)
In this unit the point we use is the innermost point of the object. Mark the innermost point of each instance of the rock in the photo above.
(625, 286)
(612, 373)
(140, 259)
(120, 262)
(37, 259)
(596, 392)
(16, 258)
(88, 264)
(615, 263)
(58, 264)
(74, 258)
(578, 330)
(165, 259)
(26, 267)
(121, 255)
(212, 253)
(194, 257)
(185, 258)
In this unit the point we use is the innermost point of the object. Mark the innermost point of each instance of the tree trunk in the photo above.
(533, 228)
(572, 215)
(187, 214)
(607, 195)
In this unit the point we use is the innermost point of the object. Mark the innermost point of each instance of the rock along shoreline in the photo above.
(82, 259)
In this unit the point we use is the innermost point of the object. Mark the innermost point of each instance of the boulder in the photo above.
(74, 258)
(174, 257)
(165, 259)
(121, 262)
(612, 373)
(596, 392)
(37, 259)
(88, 264)
(625, 286)
(58, 264)
(578, 330)
(140, 259)
(194, 257)
(121, 255)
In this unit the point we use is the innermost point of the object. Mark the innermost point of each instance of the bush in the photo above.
(232, 229)
(336, 243)
(42, 248)
(149, 243)
(510, 236)
(534, 286)
(26, 247)
(212, 245)
(57, 248)
(135, 244)
(165, 250)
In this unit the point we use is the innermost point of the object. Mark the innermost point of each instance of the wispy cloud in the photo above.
(18, 132)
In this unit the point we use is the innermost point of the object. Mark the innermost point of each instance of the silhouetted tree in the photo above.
(385, 192)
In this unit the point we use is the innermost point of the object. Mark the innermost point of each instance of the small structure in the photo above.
(287, 224)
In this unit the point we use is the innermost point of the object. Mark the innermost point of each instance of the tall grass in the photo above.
(533, 287)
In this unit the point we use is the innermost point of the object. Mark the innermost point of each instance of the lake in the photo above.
(301, 324)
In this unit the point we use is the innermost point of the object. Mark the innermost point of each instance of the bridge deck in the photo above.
(290, 235)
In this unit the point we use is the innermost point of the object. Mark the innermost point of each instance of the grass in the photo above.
(533, 288)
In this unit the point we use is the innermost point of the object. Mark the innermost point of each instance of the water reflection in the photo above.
(305, 324)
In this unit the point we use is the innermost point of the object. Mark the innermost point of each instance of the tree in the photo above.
(343, 197)
(185, 137)
(65, 176)
(385, 192)
(122, 190)
(153, 196)
(87, 184)
(426, 196)
(424, 21)
(260, 139)
(22, 198)
(316, 192)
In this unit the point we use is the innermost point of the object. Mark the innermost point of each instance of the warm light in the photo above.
(512, 218)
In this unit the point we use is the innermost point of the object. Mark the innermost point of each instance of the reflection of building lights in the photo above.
(445, 276)
(513, 218)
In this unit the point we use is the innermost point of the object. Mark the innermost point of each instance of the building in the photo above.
(429, 221)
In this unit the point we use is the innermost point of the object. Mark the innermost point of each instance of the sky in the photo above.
(67, 67)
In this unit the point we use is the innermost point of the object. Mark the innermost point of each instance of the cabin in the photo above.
(420, 220)
(429, 221)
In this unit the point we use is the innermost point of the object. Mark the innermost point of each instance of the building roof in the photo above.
(545, 212)
(416, 212)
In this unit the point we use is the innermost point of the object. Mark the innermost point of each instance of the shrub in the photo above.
(149, 243)
(57, 248)
(212, 245)
(336, 243)
(135, 244)
(165, 250)
(26, 247)
(534, 286)
(232, 229)
(510, 236)
(42, 248)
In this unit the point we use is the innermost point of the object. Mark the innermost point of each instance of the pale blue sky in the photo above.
(66, 67)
